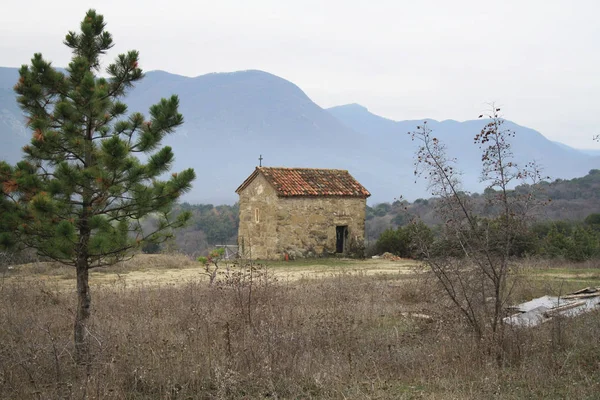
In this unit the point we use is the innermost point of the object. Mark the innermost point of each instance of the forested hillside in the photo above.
(568, 200)
(209, 226)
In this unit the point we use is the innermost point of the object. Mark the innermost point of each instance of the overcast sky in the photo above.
(540, 60)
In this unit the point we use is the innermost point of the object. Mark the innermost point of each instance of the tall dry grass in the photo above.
(250, 336)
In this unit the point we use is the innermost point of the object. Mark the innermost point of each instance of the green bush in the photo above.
(569, 241)
(584, 244)
(404, 241)
(395, 241)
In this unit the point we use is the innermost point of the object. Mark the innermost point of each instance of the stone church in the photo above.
(301, 212)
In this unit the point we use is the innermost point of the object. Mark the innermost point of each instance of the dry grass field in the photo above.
(338, 329)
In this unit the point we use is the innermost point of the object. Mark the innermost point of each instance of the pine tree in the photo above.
(80, 193)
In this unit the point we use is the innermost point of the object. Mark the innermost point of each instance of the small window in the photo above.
(256, 215)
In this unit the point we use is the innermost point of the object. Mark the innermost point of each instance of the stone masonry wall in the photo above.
(306, 226)
(258, 240)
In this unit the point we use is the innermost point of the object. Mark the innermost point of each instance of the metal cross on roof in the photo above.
(260, 158)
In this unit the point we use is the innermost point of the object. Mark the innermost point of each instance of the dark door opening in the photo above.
(341, 234)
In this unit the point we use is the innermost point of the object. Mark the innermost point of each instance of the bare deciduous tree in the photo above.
(472, 257)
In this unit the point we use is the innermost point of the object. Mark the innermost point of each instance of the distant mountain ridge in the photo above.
(232, 118)
(557, 160)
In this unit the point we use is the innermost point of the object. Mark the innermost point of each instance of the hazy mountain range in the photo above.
(232, 118)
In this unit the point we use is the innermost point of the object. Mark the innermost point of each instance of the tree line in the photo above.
(561, 231)
(568, 240)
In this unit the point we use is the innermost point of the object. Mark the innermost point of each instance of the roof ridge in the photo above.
(305, 168)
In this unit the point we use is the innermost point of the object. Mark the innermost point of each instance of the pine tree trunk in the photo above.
(82, 351)
(84, 300)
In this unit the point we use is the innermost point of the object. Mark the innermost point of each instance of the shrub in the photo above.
(395, 241)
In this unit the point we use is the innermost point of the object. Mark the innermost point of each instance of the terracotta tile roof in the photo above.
(291, 182)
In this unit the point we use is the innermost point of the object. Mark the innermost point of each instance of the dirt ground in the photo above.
(163, 270)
